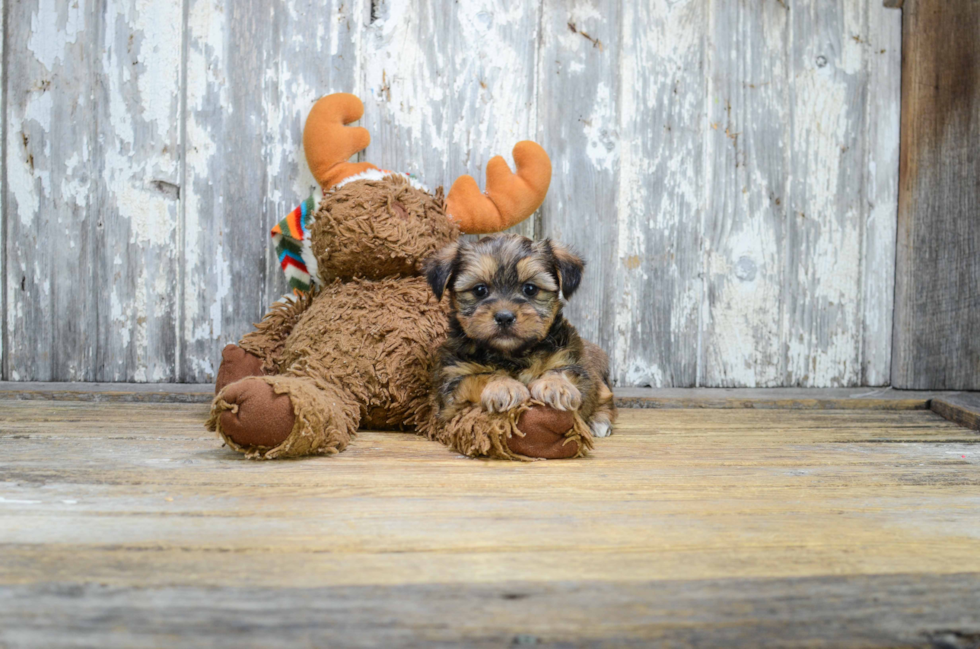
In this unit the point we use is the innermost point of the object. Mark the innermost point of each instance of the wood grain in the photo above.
(51, 197)
(883, 55)
(937, 309)
(729, 171)
(963, 408)
(725, 398)
(3, 190)
(253, 72)
(833, 611)
(448, 86)
(745, 227)
(657, 288)
(791, 296)
(92, 147)
(578, 104)
(685, 524)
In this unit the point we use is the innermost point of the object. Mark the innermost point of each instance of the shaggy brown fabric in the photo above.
(374, 339)
(269, 337)
(544, 431)
(236, 364)
(325, 418)
(357, 353)
(478, 433)
(379, 228)
(256, 415)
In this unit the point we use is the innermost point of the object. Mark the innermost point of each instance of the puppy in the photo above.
(508, 340)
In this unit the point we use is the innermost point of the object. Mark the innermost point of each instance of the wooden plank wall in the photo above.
(729, 170)
(937, 296)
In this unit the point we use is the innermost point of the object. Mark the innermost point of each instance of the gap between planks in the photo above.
(960, 407)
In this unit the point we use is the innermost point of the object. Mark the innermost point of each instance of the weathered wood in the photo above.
(124, 524)
(52, 195)
(447, 86)
(777, 398)
(92, 159)
(789, 194)
(3, 191)
(137, 106)
(883, 57)
(731, 181)
(746, 198)
(758, 398)
(657, 265)
(937, 310)
(963, 408)
(253, 72)
(122, 392)
(832, 611)
(578, 124)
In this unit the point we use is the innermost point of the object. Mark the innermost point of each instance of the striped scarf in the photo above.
(291, 237)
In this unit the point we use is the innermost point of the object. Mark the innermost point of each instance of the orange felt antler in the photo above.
(510, 198)
(329, 143)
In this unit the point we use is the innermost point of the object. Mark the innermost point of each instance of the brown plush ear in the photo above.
(510, 197)
(568, 266)
(329, 143)
(439, 268)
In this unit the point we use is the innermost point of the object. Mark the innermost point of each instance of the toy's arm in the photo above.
(269, 337)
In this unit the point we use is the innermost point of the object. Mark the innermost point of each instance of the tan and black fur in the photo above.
(508, 340)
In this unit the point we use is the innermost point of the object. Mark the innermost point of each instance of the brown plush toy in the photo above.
(354, 350)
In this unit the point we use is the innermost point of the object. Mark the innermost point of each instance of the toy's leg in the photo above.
(544, 432)
(269, 417)
(236, 364)
(532, 431)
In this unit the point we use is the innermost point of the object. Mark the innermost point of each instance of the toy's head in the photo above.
(374, 223)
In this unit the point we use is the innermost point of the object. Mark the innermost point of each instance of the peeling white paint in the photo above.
(120, 317)
(20, 176)
(54, 26)
(787, 297)
(76, 185)
(159, 28)
(602, 146)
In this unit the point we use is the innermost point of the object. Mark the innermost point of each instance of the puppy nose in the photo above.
(504, 318)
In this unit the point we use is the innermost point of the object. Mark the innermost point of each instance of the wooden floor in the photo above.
(127, 524)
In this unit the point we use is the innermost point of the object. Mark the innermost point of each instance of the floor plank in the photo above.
(861, 398)
(688, 526)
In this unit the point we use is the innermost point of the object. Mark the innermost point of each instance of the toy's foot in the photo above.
(259, 416)
(236, 364)
(544, 431)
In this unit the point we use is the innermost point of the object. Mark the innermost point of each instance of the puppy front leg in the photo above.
(502, 393)
(493, 391)
(557, 389)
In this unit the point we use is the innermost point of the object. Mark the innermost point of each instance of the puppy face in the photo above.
(505, 290)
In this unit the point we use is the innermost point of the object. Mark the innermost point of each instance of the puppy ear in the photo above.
(569, 268)
(439, 268)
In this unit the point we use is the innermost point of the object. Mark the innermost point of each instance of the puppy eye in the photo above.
(529, 290)
(480, 290)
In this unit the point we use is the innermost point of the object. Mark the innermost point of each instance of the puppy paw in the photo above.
(501, 395)
(600, 428)
(556, 391)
